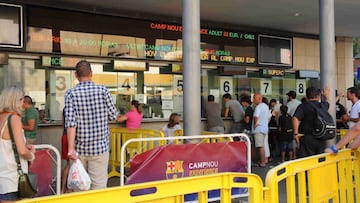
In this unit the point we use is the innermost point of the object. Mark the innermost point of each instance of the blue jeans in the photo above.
(286, 146)
(218, 129)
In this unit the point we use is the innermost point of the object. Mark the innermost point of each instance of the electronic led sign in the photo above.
(274, 51)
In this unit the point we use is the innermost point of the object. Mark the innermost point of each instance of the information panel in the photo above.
(301, 87)
(266, 87)
(141, 39)
(226, 85)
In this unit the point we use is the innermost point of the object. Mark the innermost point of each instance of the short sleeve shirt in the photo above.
(236, 110)
(263, 114)
(213, 115)
(31, 114)
(169, 132)
(88, 108)
(354, 113)
(306, 114)
(249, 112)
(134, 119)
(292, 105)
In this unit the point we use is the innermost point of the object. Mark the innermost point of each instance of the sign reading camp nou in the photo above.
(184, 160)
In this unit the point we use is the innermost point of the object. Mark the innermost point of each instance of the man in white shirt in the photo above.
(353, 96)
(260, 128)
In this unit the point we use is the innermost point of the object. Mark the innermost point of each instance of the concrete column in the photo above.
(327, 51)
(191, 66)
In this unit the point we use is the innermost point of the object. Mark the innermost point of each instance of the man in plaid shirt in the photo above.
(88, 108)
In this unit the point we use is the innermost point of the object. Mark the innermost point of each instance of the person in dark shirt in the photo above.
(286, 133)
(340, 112)
(249, 111)
(303, 122)
(247, 121)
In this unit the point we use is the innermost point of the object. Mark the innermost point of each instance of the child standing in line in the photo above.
(174, 124)
(64, 156)
(286, 133)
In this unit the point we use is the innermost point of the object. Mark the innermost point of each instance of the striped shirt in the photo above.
(88, 108)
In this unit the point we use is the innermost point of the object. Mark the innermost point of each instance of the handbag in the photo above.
(27, 186)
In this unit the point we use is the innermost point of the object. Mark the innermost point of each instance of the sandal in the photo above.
(260, 165)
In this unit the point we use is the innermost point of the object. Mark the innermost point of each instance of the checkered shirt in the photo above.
(88, 108)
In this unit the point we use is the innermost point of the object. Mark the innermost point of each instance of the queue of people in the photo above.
(89, 107)
(282, 130)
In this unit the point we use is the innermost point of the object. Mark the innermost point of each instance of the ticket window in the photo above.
(277, 87)
(122, 87)
(250, 83)
(160, 94)
(163, 91)
(217, 84)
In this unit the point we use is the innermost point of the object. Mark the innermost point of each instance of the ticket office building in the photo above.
(141, 59)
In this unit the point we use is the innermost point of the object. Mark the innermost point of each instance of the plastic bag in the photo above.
(78, 179)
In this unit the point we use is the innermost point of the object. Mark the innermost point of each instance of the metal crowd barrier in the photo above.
(341, 132)
(167, 191)
(56, 160)
(320, 178)
(119, 136)
(201, 138)
(180, 133)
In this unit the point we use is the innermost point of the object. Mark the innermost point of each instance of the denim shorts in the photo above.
(9, 196)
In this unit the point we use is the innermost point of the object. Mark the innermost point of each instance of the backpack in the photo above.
(324, 125)
(287, 130)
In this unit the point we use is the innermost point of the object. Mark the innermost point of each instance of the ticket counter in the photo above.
(51, 133)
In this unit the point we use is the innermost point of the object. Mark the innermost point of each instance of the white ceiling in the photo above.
(273, 14)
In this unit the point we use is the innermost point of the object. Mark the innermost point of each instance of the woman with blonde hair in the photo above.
(11, 101)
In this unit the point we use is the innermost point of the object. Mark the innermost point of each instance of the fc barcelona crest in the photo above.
(174, 169)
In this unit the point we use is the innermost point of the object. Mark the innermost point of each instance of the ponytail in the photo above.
(137, 105)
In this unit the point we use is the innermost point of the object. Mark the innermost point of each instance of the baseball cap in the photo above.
(291, 93)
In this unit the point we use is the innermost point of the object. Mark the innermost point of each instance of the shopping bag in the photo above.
(78, 179)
